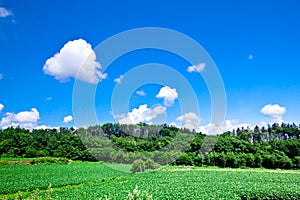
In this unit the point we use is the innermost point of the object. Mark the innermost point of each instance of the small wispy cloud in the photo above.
(140, 93)
(119, 80)
(4, 12)
(1, 76)
(196, 68)
(49, 98)
(68, 119)
(250, 57)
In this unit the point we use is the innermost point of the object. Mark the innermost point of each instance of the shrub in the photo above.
(141, 165)
(4, 162)
(49, 160)
(296, 162)
(150, 164)
(184, 159)
(138, 166)
(30, 153)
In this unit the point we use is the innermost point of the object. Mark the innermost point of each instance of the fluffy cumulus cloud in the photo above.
(68, 119)
(189, 120)
(141, 114)
(1, 107)
(24, 119)
(196, 68)
(168, 94)
(4, 12)
(119, 80)
(274, 111)
(140, 93)
(76, 59)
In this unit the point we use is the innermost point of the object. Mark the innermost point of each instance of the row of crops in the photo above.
(95, 181)
(16, 178)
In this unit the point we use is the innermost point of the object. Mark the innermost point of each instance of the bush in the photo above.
(296, 162)
(42, 153)
(49, 160)
(140, 165)
(4, 162)
(277, 160)
(30, 153)
(199, 160)
(150, 164)
(184, 159)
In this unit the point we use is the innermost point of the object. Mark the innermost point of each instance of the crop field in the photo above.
(95, 181)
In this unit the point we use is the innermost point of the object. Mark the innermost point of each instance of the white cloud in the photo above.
(196, 68)
(46, 127)
(141, 114)
(119, 80)
(211, 129)
(250, 57)
(1, 107)
(4, 12)
(68, 119)
(189, 120)
(1, 76)
(168, 94)
(76, 59)
(228, 125)
(275, 111)
(24, 119)
(140, 93)
(157, 110)
(49, 98)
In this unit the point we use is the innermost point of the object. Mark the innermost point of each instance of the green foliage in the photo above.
(150, 164)
(4, 162)
(277, 146)
(17, 142)
(185, 159)
(138, 166)
(141, 165)
(50, 160)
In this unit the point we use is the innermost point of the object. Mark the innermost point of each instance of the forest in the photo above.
(274, 146)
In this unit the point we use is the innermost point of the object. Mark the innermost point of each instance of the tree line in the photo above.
(276, 146)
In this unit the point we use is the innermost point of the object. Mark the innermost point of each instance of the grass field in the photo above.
(95, 181)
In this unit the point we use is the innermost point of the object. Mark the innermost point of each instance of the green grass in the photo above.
(95, 181)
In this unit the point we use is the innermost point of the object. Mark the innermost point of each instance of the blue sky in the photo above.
(254, 44)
